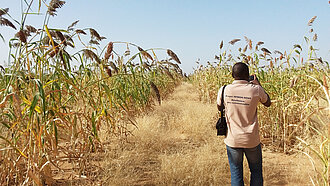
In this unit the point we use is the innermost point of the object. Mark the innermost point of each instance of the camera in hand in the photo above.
(251, 78)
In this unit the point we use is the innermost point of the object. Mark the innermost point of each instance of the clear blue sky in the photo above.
(191, 28)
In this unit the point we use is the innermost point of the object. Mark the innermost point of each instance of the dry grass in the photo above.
(176, 144)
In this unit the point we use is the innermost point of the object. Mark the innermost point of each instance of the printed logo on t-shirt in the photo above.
(238, 100)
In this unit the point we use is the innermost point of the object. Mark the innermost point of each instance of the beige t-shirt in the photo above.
(241, 99)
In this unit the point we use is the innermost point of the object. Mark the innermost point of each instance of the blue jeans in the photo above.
(254, 157)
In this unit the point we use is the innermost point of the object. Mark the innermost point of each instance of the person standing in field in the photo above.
(241, 99)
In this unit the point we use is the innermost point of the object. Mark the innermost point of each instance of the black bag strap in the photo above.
(222, 106)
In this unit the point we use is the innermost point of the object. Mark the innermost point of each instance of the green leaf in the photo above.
(91, 141)
(42, 95)
(20, 152)
(33, 104)
(306, 39)
(31, 13)
(56, 134)
(106, 89)
(295, 60)
(5, 124)
(94, 130)
(39, 6)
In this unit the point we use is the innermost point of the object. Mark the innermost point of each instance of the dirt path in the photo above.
(176, 144)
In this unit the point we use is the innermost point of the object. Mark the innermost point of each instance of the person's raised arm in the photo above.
(255, 81)
(268, 102)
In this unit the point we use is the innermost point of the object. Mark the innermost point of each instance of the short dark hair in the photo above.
(240, 71)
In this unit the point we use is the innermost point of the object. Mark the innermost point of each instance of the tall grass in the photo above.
(56, 99)
(297, 82)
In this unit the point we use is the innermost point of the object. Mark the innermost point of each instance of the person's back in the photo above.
(241, 99)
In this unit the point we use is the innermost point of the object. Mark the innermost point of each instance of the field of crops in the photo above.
(53, 112)
(298, 84)
(66, 95)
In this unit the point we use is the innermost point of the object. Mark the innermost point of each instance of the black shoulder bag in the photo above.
(221, 125)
